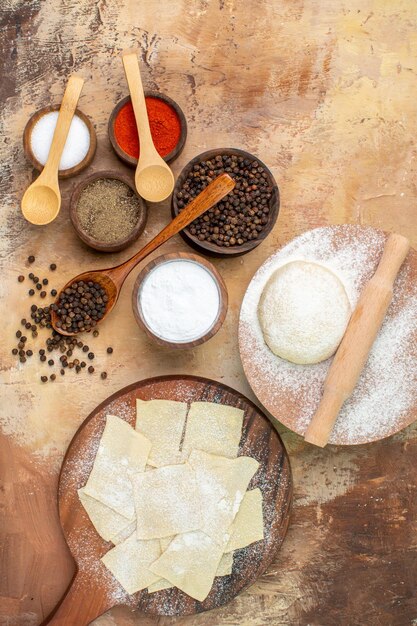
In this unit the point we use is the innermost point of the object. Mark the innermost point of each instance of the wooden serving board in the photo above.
(94, 590)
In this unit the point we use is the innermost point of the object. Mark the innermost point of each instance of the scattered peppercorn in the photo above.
(38, 286)
(22, 359)
(43, 294)
(91, 369)
(29, 353)
(28, 325)
(21, 278)
(53, 292)
(18, 334)
(109, 350)
(44, 379)
(62, 372)
(242, 214)
(52, 376)
(31, 292)
(90, 355)
(103, 375)
(80, 306)
(42, 357)
(50, 362)
(96, 333)
(52, 267)
(15, 351)
(85, 348)
(45, 281)
(31, 275)
(31, 259)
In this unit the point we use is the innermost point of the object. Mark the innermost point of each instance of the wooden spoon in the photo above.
(357, 341)
(112, 279)
(154, 179)
(42, 199)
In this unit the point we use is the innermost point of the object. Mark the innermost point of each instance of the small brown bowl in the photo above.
(129, 160)
(72, 171)
(90, 241)
(174, 256)
(208, 247)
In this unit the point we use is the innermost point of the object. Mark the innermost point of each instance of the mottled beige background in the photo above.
(324, 91)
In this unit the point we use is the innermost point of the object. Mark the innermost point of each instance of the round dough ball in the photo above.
(303, 312)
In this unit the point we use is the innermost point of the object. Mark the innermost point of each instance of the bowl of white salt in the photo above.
(80, 145)
(180, 300)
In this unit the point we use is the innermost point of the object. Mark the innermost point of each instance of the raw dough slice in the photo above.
(160, 585)
(110, 525)
(190, 563)
(162, 422)
(226, 565)
(122, 451)
(303, 312)
(166, 501)
(223, 569)
(129, 563)
(214, 428)
(248, 525)
(221, 485)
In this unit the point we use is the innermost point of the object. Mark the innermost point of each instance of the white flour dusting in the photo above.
(386, 394)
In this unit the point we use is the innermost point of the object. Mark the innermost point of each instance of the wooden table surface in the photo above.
(324, 91)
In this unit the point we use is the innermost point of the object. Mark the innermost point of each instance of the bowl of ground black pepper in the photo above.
(167, 122)
(242, 220)
(106, 211)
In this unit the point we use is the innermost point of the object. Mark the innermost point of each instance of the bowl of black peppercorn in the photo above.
(241, 220)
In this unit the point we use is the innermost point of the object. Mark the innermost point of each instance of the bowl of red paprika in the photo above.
(167, 122)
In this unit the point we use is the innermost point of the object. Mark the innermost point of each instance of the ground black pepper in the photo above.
(242, 214)
(108, 210)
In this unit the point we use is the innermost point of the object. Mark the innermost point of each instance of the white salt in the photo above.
(76, 145)
(179, 300)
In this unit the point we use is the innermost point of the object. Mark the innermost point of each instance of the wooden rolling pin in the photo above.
(357, 341)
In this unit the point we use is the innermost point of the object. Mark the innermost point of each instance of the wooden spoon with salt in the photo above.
(42, 199)
(154, 179)
(357, 341)
(112, 279)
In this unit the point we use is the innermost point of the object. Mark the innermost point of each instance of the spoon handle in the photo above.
(213, 193)
(66, 113)
(134, 81)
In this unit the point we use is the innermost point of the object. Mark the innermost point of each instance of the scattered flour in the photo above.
(386, 394)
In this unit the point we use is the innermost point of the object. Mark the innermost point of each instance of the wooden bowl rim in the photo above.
(72, 171)
(211, 248)
(121, 244)
(223, 305)
(171, 156)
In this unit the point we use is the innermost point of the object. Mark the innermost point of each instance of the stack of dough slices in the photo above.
(171, 495)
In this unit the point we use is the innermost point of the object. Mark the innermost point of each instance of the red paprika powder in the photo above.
(163, 120)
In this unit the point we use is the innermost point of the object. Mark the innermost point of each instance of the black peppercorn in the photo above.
(31, 292)
(90, 355)
(44, 379)
(31, 259)
(43, 294)
(53, 292)
(91, 369)
(109, 350)
(45, 281)
(103, 375)
(21, 278)
(50, 362)
(52, 267)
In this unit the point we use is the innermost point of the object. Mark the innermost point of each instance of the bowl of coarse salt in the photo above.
(80, 145)
(180, 300)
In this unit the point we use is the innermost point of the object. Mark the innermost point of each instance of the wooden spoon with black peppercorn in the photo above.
(89, 297)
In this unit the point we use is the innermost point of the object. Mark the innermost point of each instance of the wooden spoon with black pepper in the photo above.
(100, 289)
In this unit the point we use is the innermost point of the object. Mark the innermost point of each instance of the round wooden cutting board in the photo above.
(385, 398)
(94, 590)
